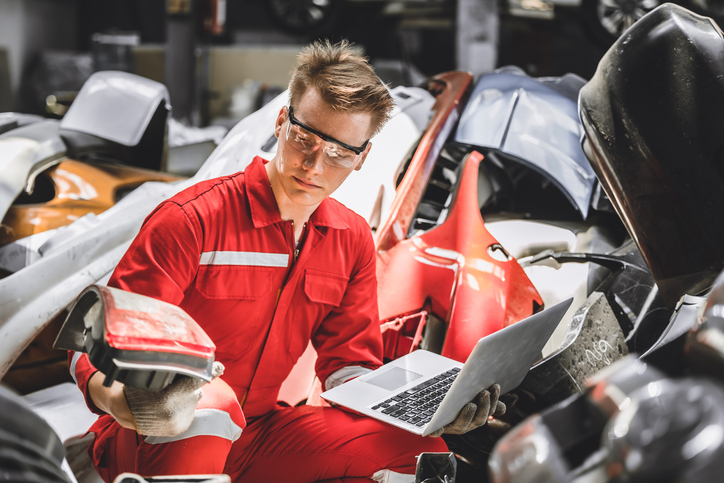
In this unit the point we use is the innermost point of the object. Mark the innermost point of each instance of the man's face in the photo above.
(307, 179)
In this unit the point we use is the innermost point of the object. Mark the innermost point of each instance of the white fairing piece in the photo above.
(20, 160)
(376, 179)
(48, 275)
(132, 99)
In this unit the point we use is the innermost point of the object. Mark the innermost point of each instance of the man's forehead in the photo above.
(314, 111)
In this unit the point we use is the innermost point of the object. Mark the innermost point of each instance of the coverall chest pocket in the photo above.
(229, 282)
(324, 288)
(237, 301)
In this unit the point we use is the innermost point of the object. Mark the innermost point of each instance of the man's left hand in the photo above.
(475, 413)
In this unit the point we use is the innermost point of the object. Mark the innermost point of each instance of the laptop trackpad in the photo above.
(394, 378)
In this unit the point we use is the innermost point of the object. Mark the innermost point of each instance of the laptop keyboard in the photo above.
(417, 405)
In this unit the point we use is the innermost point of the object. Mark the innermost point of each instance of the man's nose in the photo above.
(314, 162)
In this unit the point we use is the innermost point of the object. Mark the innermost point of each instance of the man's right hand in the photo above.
(152, 413)
(110, 400)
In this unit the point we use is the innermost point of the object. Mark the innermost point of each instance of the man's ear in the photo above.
(281, 117)
(363, 157)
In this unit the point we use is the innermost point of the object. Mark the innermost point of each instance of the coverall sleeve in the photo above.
(163, 259)
(160, 263)
(81, 370)
(350, 334)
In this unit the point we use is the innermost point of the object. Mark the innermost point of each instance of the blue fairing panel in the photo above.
(535, 123)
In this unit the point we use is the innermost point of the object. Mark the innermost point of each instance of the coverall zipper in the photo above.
(296, 249)
(295, 254)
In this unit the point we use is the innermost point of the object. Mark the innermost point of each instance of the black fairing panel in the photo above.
(654, 118)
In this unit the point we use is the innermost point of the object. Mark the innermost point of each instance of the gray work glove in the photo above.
(170, 411)
(475, 413)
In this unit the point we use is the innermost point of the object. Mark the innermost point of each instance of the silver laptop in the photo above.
(423, 391)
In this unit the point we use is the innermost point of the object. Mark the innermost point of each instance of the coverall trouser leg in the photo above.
(308, 444)
(303, 445)
(202, 449)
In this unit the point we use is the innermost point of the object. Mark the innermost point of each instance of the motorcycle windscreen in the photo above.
(653, 115)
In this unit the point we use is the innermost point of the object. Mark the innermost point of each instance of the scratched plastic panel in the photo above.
(594, 341)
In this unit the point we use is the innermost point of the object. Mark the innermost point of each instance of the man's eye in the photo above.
(340, 153)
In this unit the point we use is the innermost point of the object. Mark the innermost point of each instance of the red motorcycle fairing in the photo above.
(449, 88)
(460, 272)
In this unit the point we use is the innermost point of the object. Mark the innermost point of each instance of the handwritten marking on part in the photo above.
(599, 351)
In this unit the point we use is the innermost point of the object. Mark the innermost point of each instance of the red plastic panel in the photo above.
(142, 323)
(402, 335)
(452, 87)
(450, 269)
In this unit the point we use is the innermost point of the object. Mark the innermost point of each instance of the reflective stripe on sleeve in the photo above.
(73, 362)
(207, 422)
(343, 375)
(256, 259)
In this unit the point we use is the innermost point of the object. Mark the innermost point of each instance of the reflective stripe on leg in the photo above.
(388, 476)
(207, 422)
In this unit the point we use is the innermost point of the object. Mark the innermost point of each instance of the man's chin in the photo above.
(303, 198)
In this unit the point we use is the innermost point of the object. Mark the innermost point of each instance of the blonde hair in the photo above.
(344, 79)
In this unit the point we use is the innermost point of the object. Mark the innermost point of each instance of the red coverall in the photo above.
(221, 252)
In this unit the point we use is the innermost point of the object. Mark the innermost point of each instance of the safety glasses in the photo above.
(307, 140)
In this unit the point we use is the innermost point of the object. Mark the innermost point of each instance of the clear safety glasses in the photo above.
(307, 140)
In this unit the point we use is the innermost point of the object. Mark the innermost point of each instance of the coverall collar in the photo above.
(263, 205)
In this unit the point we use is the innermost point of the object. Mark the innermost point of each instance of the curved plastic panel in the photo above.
(454, 270)
(534, 122)
(134, 339)
(117, 106)
(135, 322)
(24, 152)
(452, 87)
(654, 121)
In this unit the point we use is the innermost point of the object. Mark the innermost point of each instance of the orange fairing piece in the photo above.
(460, 271)
(70, 190)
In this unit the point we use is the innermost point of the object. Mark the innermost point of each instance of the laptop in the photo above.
(423, 391)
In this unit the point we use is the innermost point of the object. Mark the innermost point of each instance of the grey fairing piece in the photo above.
(25, 152)
(654, 121)
(536, 123)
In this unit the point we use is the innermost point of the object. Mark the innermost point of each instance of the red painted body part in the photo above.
(451, 272)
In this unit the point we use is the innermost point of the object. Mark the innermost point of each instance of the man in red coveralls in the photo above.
(265, 262)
